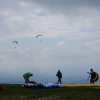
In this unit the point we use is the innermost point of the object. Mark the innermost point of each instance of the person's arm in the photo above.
(57, 74)
(88, 73)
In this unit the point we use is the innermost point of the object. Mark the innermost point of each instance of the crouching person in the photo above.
(26, 77)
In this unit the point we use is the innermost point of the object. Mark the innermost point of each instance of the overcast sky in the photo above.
(70, 41)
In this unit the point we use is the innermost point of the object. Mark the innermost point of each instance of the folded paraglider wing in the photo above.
(46, 85)
(95, 76)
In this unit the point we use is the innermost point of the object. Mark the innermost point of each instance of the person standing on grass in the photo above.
(94, 76)
(26, 77)
(59, 75)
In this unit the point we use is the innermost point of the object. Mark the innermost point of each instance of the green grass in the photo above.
(16, 92)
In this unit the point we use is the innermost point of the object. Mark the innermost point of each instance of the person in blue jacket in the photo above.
(59, 75)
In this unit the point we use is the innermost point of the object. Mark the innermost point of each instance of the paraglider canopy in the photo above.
(15, 42)
(38, 36)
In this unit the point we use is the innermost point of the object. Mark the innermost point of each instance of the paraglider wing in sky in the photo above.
(15, 42)
(38, 36)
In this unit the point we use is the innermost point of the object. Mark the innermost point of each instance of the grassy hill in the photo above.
(16, 92)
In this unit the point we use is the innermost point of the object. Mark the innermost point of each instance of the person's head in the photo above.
(58, 70)
(31, 75)
(91, 70)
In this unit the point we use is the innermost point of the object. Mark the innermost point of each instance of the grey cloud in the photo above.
(19, 21)
(68, 6)
(68, 3)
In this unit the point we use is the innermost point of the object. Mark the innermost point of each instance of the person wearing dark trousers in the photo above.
(59, 75)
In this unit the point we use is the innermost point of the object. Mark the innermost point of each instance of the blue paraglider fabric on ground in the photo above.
(46, 85)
